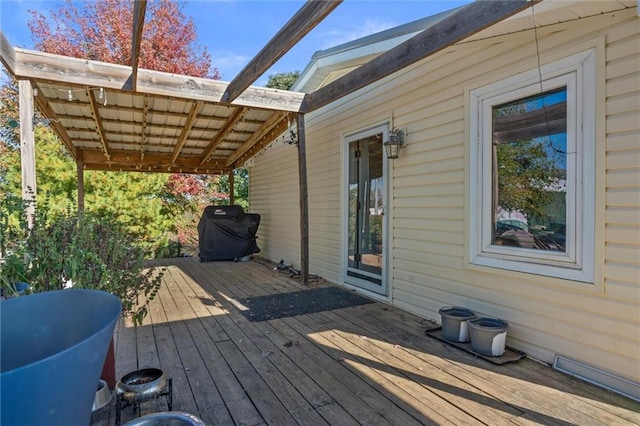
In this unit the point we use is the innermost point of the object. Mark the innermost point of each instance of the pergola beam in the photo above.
(309, 15)
(98, 120)
(186, 129)
(304, 201)
(158, 168)
(266, 128)
(139, 10)
(60, 69)
(94, 159)
(143, 133)
(265, 140)
(27, 147)
(456, 27)
(7, 54)
(80, 177)
(222, 133)
(54, 122)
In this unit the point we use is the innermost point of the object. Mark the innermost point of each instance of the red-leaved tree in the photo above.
(101, 30)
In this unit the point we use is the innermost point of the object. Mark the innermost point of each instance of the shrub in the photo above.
(77, 250)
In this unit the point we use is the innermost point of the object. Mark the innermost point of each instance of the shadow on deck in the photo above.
(367, 364)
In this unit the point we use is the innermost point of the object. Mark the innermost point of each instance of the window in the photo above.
(532, 165)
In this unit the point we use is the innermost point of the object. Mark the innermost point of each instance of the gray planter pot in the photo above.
(454, 323)
(488, 335)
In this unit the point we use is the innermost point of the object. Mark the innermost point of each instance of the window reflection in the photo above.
(530, 171)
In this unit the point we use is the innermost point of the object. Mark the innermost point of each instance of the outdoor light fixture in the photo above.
(393, 143)
(70, 95)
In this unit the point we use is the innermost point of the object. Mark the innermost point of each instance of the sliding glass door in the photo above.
(366, 196)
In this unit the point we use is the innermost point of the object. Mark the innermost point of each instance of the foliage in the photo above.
(13, 233)
(525, 177)
(129, 197)
(101, 30)
(190, 194)
(531, 170)
(240, 189)
(55, 178)
(283, 80)
(9, 135)
(79, 250)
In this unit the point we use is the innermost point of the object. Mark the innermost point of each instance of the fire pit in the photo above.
(140, 386)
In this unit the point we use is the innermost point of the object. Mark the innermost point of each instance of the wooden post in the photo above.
(304, 202)
(232, 199)
(27, 148)
(80, 174)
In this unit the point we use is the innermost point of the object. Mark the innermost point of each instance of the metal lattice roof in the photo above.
(111, 129)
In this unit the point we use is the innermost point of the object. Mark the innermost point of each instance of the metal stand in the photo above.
(122, 403)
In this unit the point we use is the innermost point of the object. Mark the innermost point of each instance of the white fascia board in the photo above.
(320, 67)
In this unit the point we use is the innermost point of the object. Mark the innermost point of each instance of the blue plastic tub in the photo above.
(52, 349)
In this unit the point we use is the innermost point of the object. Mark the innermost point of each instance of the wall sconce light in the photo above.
(393, 143)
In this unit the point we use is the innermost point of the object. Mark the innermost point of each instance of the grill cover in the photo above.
(227, 233)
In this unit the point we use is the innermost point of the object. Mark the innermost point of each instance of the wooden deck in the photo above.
(370, 364)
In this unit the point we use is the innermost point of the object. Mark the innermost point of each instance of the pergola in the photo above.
(123, 118)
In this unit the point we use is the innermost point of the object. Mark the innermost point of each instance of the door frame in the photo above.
(353, 282)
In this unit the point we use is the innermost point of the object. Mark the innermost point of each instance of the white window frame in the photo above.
(578, 74)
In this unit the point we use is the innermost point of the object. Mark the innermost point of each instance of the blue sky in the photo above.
(234, 31)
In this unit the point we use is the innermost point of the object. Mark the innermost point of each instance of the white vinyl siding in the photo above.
(429, 264)
(274, 194)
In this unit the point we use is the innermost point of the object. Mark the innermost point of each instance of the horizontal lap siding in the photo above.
(548, 317)
(622, 201)
(274, 194)
(429, 194)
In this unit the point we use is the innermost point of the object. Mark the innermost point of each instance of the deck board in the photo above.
(370, 364)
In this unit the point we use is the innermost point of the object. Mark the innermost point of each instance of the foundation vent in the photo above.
(598, 377)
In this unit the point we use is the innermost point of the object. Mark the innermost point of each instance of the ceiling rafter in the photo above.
(96, 116)
(307, 18)
(275, 131)
(150, 112)
(159, 168)
(196, 108)
(54, 120)
(223, 132)
(268, 125)
(139, 11)
(143, 133)
(465, 22)
(120, 157)
(94, 160)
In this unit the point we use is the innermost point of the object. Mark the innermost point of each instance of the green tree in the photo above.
(101, 30)
(56, 178)
(525, 175)
(530, 167)
(283, 80)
